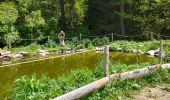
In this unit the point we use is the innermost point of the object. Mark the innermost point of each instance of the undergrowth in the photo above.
(33, 88)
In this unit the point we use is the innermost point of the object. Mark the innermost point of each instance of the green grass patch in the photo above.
(33, 87)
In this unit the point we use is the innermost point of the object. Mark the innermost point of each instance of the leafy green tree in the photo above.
(34, 21)
(8, 16)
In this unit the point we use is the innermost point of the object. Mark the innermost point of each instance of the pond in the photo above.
(57, 66)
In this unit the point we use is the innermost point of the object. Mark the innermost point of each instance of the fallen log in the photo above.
(85, 90)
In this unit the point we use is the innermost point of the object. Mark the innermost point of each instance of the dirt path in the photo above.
(156, 93)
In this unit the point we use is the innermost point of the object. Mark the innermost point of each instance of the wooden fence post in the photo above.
(106, 61)
(152, 36)
(48, 38)
(161, 51)
(9, 43)
(80, 37)
(112, 37)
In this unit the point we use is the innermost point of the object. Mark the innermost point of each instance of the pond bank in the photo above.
(58, 66)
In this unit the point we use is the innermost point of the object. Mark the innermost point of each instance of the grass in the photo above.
(33, 88)
(126, 89)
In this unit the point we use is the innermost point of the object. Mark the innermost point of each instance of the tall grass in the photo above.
(33, 88)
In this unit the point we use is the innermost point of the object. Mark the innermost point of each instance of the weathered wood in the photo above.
(152, 36)
(48, 38)
(80, 37)
(161, 51)
(112, 37)
(85, 90)
(106, 61)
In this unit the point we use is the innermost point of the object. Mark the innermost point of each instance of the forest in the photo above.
(37, 19)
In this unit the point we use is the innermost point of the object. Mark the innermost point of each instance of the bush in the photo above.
(166, 59)
(100, 41)
(51, 44)
(31, 88)
(32, 48)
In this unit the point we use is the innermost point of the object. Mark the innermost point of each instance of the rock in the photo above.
(16, 56)
(68, 52)
(24, 54)
(5, 53)
(140, 52)
(155, 53)
(120, 49)
(151, 52)
(80, 50)
(5, 58)
(99, 48)
(134, 51)
(113, 49)
(43, 52)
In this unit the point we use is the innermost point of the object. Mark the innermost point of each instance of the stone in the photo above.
(134, 51)
(151, 52)
(5, 58)
(43, 52)
(99, 48)
(68, 52)
(4, 53)
(113, 49)
(120, 49)
(24, 54)
(16, 56)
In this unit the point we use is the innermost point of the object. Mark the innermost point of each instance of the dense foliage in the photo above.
(36, 19)
(33, 87)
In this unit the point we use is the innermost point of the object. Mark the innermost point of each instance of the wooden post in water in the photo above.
(106, 61)
(112, 37)
(161, 51)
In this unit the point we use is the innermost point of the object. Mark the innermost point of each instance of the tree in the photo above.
(72, 13)
(34, 21)
(8, 16)
(122, 24)
(62, 18)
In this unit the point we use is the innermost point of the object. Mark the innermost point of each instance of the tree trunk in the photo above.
(62, 4)
(122, 24)
(72, 13)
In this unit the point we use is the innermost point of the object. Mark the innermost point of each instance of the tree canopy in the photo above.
(34, 18)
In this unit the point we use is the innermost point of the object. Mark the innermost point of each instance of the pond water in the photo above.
(57, 66)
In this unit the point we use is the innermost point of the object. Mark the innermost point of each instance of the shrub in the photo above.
(32, 48)
(100, 41)
(51, 44)
(167, 58)
(33, 88)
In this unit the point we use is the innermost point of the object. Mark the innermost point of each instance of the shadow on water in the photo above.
(57, 66)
